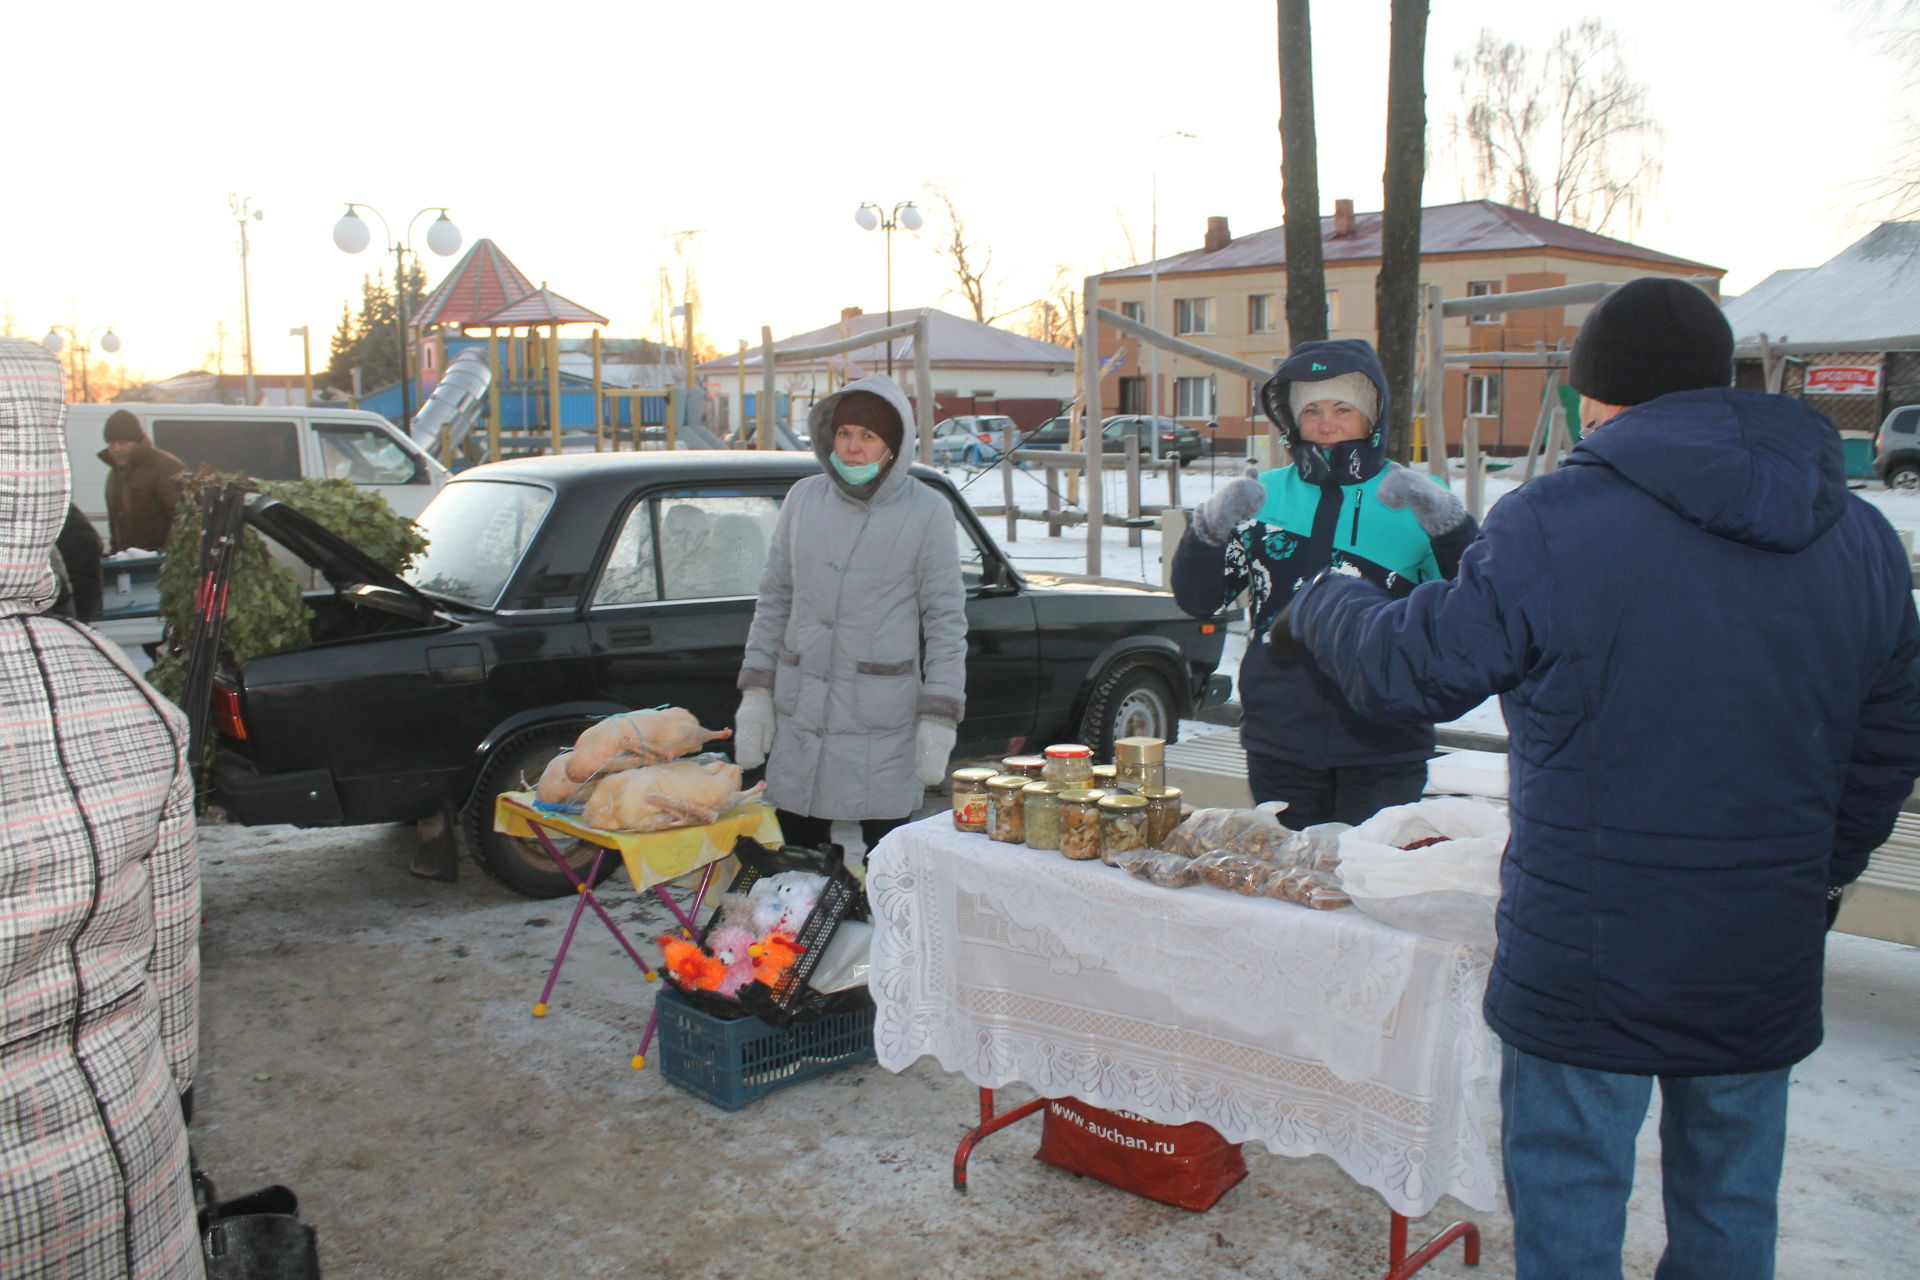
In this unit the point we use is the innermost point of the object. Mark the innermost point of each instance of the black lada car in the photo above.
(558, 589)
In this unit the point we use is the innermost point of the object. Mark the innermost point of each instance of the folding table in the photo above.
(1309, 1031)
(654, 859)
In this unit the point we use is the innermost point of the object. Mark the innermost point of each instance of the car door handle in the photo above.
(629, 637)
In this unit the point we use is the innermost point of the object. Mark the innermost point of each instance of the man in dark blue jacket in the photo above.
(1706, 650)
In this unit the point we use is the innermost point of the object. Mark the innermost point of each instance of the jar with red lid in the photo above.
(1069, 764)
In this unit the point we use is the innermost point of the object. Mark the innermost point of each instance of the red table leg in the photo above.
(566, 941)
(1401, 1264)
(989, 1123)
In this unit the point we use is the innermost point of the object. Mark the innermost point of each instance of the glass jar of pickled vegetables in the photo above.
(1123, 825)
(1069, 764)
(1029, 767)
(970, 799)
(1043, 814)
(1006, 812)
(1142, 762)
(1106, 777)
(1163, 813)
(1079, 824)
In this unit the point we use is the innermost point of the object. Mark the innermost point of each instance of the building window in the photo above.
(1483, 395)
(1333, 310)
(1262, 317)
(1193, 397)
(1483, 289)
(1193, 315)
(1134, 311)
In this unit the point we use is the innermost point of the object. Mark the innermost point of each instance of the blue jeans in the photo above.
(1567, 1143)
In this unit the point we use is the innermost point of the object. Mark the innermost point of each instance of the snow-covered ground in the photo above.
(1031, 549)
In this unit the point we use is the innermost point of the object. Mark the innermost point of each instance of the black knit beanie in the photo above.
(123, 426)
(1649, 338)
(865, 409)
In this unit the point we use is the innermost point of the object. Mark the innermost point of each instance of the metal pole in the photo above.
(306, 366)
(1153, 297)
(400, 323)
(886, 228)
(246, 303)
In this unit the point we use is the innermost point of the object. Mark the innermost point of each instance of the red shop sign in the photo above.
(1843, 380)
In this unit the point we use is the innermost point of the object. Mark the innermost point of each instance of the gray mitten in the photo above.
(1214, 520)
(1433, 504)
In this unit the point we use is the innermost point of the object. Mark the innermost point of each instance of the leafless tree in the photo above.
(1300, 177)
(1056, 317)
(1895, 24)
(1567, 134)
(970, 261)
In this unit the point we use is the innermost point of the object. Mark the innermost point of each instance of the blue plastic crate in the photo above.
(732, 1061)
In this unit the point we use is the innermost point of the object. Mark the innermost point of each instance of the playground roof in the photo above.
(542, 306)
(1473, 226)
(1869, 290)
(482, 282)
(953, 341)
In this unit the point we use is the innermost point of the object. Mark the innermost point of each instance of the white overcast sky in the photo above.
(580, 137)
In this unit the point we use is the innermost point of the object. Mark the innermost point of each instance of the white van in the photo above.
(268, 442)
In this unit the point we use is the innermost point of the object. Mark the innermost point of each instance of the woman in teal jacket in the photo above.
(1340, 503)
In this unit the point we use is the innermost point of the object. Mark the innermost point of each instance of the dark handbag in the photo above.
(258, 1236)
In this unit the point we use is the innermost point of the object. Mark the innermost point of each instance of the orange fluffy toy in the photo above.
(772, 956)
(690, 965)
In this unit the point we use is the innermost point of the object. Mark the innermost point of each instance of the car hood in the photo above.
(1081, 582)
(347, 569)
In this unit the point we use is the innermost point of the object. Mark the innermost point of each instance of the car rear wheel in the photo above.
(1905, 477)
(522, 864)
(1131, 699)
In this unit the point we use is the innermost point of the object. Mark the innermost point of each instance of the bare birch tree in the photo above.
(1567, 134)
(1895, 25)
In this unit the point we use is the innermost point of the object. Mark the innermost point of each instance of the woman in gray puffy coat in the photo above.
(854, 679)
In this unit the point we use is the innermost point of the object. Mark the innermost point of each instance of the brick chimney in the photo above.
(1342, 219)
(1218, 237)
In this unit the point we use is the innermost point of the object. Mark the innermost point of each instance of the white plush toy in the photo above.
(785, 901)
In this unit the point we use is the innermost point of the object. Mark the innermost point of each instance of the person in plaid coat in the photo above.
(99, 905)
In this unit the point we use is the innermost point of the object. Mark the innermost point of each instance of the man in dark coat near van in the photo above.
(1706, 650)
(143, 486)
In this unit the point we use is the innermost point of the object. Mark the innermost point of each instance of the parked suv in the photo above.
(1896, 449)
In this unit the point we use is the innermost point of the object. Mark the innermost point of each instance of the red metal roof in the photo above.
(542, 306)
(482, 282)
(1472, 226)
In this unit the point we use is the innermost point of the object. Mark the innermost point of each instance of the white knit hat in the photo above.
(1356, 389)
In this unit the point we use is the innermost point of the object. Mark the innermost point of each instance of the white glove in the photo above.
(753, 728)
(933, 748)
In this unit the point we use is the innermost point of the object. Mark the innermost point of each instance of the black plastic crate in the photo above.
(732, 1061)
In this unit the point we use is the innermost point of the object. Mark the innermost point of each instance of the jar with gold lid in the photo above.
(1163, 813)
(970, 799)
(1080, 824)
(1142, 762)
(1029, 767)
(1043, 814)
(1006, 811)
(1106, 777)
(1123, 825)
(1069, 764)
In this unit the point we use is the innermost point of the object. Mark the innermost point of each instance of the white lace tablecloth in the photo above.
(1308, 1031)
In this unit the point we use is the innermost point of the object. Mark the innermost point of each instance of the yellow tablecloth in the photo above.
(651, 857)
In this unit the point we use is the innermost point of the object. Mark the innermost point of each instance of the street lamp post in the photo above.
(1153, 285)
(351, 235)
(242, 207)
(54, 343)
(871, 216)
